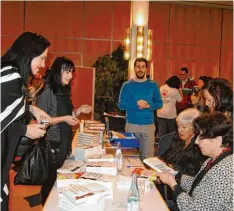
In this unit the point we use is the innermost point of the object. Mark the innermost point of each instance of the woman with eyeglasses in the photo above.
(212, 187)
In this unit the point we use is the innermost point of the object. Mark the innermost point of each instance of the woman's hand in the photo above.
(39, 114)
(167, 178)
(35, 131)
(70, 120)
(83, 109)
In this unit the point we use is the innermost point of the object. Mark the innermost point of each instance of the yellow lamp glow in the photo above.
(149, 45)
(140, 41)
(127, 42)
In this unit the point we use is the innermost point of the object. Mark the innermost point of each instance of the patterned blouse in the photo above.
(213, 193)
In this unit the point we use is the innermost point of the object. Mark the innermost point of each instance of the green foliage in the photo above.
(111, 72)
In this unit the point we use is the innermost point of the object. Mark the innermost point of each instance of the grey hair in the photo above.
(188, 115)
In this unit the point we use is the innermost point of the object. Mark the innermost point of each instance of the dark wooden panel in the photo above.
(159, 21)
(208, 26)
(12, 15)
(98, 19)
(122, 11)
(93, 49)
(60, 19)
(82, 88)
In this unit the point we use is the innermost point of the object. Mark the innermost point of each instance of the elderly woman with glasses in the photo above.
(212, 187)
(183, 154)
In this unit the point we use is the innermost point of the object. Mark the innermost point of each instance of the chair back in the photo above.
(164, 143)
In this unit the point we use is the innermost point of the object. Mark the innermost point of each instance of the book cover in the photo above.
(159, 165)
(102, 167)
(78, 194)
(151, 174)
(104, 179)
(98, 157)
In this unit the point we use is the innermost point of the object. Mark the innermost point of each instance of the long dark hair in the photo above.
(53, 75)
(221, 90)
(20, 55)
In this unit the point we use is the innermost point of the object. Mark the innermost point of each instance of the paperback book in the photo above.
(159, 165)
(89, 193)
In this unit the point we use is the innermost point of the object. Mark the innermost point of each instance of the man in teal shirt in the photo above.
(140, 97)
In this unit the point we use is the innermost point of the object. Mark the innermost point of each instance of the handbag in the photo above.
(36, 165)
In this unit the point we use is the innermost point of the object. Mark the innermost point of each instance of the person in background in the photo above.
(212, 187)
(140, 97)
(23, 59)
(55, 100)
(186, 83)
(197, 96)
(219, 96)
(170, 94)
(203, 80)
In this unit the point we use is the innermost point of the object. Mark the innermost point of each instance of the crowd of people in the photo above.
(198, 114)
(196, 118)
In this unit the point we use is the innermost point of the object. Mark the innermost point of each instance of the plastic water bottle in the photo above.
(119, 157)
(133, 195)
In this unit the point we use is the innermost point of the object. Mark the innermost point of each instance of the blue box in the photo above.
(131, 142)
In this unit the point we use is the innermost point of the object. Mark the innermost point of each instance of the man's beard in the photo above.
(140, 76)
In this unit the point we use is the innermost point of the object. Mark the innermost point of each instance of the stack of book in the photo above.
(69, 173)
(74, 195)
(98, 157)
(83, 151)
(95, 128)
(88, 139)
(102, 167)
(103, 179)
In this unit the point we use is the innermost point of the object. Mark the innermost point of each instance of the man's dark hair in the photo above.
(141, 59)
(185, 69)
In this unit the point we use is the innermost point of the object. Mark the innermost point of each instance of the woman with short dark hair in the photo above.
(212, 187)
(55, 100)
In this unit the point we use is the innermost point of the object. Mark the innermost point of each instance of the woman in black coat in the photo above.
(23, 59)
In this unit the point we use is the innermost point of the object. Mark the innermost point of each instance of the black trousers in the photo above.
(166, 126)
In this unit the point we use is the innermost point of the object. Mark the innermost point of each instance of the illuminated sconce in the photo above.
(149, 45)
(140, 41)
(127, 42)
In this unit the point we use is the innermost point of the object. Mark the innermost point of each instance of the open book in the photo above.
(159, 165)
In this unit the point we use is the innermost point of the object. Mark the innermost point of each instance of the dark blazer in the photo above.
(187, 161)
